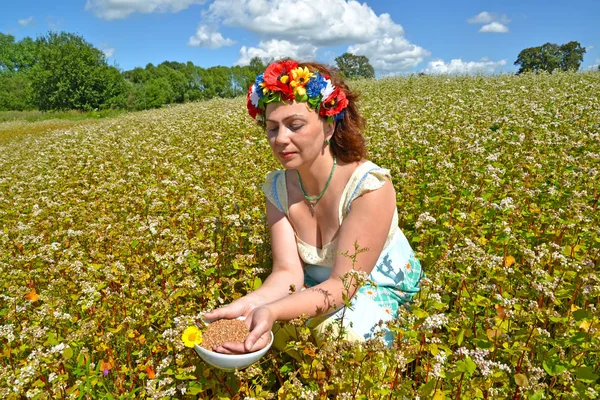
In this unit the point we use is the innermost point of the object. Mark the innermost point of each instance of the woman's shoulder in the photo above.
(367, 177)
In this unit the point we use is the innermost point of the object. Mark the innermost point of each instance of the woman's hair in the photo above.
(347, 142)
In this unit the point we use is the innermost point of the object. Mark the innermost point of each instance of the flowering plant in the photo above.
(191, 336)
(286, 81)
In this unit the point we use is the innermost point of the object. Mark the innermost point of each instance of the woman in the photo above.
(327, 198)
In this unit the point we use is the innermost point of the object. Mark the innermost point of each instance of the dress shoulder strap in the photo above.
(368, 177)
(275, 190)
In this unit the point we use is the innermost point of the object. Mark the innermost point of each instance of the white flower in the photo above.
(388, 309)
(327, 90)
(434, 321)
(254, 96)
(370, 293)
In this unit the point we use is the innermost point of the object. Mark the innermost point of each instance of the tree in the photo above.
(15, 91)
(159, 92)
(16, 56)
(551, 57)
(353, 66)
(71, 74)
(572, 56)
(16, 60)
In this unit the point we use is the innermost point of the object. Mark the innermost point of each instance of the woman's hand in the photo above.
(260, 322)
(239, 308)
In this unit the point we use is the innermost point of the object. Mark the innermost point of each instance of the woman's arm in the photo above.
(367, 224)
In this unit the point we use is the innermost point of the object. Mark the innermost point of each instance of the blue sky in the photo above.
(398, 36)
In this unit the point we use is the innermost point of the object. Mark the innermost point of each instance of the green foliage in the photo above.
(16, 59)
(15, 91)
(62, 71)
(187, 82)
(353, 66)
(550, 57)
(127, 228)
(16, 56)
(158, 92)
(71, 74)
(73, 115)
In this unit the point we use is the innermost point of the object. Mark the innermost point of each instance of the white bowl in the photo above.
(231, 362)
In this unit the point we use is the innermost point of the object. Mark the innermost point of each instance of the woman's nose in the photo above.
(283, 135)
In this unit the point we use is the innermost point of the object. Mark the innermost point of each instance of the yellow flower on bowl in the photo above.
(191, 336)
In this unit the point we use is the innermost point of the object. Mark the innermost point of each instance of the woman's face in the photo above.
(296, 133)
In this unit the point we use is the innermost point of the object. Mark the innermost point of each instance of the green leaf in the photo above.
(467, 365)
(67, 353)
(419, 313)
(553, 367)
(52, 339)
(460, 337)
(195, 388)
(256, 283)
(521, 380)
(539, 395)
(285, 369)
(581, 314)
(471, 366)
(586, 374)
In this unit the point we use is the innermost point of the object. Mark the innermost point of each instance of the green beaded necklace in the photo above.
(312, 201)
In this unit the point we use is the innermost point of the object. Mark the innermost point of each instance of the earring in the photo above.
(327, 142)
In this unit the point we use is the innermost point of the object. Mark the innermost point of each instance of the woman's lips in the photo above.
(286, 155)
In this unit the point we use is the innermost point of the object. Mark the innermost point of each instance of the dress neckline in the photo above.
(340, 208)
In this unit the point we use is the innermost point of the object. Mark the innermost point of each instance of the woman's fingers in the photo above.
(231, 311)
(227, 312)
(259, 334)
(260, 343)
(231, 348)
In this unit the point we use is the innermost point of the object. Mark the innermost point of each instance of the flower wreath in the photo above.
(286, 81)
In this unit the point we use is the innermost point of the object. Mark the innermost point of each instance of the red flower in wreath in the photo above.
(334, 104)
(277, 78)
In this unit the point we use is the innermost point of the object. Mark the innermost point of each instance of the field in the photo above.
(116, 233)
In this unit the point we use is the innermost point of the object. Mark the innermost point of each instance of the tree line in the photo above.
(62, 71)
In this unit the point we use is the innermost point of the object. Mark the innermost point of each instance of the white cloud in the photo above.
(391, 55)
(485, 17)
(276, 49)
(108, 52)
(332, 23)
(492, 22)
(494, 27)
(209, 38)
(458, 66)
(25, 21)
(119, 9)
(595, 66)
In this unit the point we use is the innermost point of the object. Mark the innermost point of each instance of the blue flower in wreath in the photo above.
(315, 85)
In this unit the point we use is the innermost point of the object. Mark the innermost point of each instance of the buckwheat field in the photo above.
(116, 234)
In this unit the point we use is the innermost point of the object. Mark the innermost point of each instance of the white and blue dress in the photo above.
(396, 274)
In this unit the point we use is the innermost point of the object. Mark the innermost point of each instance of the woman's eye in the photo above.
(295, 127)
